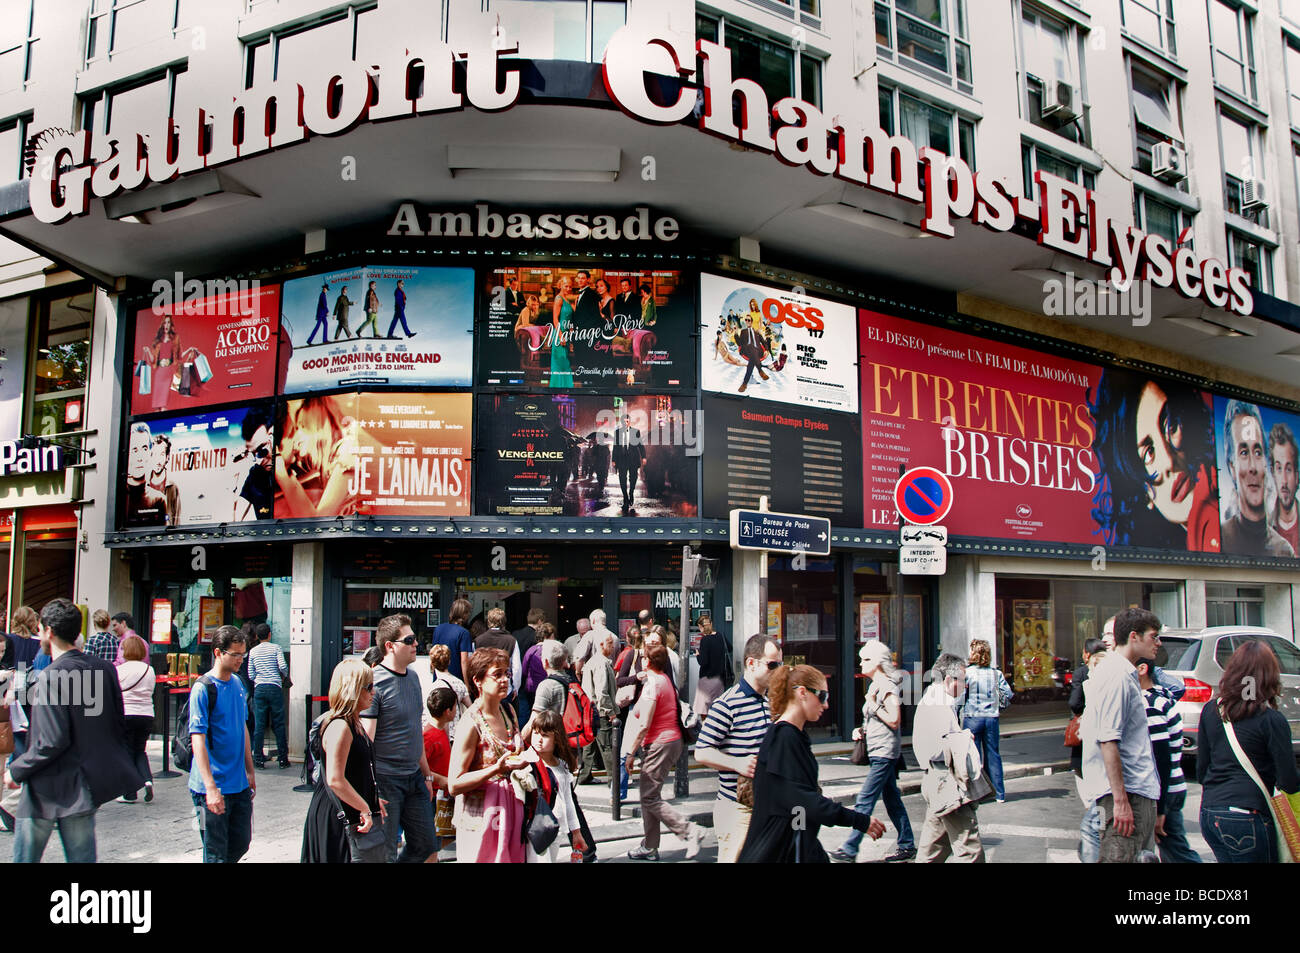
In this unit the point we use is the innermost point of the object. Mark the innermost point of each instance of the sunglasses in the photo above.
(822, 694)
(408, 640)
(773, 666)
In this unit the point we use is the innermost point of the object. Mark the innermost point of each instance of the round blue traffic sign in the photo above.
(923, 495)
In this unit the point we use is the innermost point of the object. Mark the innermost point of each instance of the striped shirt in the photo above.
(103, 645)
(266, 664)
(735, 726)
(1165, 726)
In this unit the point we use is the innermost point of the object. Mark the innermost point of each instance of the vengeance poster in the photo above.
(1257, 478)
(199, 469)
(772, 344)
(379, 324)
(198, 352)
(566, 455)
(374, 454)
(616, 329)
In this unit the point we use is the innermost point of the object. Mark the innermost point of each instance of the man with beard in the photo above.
(145, 506)
(1247, 533)
(1282, 456)
(258, 489)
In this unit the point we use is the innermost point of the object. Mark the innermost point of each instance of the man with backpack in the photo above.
(222, 783)
(558, 693)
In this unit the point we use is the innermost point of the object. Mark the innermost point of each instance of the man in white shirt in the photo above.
(956, 831)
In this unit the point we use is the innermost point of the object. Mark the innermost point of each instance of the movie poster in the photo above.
(1257, 479)
(618, 329)
(385, 454)
(196, 352)
(1034, 645)
(586, 455)
(378, 324)
(199, 469)
(777, 345)
(803, 461)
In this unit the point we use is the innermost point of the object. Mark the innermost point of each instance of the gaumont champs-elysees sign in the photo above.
(66, 177)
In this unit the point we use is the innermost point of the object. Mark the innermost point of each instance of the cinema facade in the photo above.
(510, 328)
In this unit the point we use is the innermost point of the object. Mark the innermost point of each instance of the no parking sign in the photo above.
(923, 495)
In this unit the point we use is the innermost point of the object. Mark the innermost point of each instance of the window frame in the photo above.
(722, 23)
(23, 123)
(95, 109)
(271, 40)
(25, 44)
(956, 38)
(1029, 162)
(958, 120)
(1291, 45)
(1232, 183)
(1141, 219)
(41, 334)
(1266, 250)
(1145, 135)
(1168, 27)
(115, 7)
(1073, 49)
(589, 36)
(1245, 21)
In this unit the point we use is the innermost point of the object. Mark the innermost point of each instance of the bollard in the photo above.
(168, 728)
(616, 805)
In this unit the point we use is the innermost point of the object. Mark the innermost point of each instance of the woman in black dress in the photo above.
(789, 809)
(347, 777)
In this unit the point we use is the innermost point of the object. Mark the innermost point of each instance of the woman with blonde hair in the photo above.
(785, 779)
(987, 693)
(348, 786)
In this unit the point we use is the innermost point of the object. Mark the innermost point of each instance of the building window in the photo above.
(1233, 605)
(1034, 158)
(13, 137)
(352, 34)
(560, 29)
(925, 124)
(17, 43)
(1241, 168)
(1053, 87)
(1291, 51)
(58, 375)
(117, 25)
(1155, 114)
(132, 107)
(1253, 256)
(1291, 10)
(775, 65)
(1234, 49)
(928, 36)
(1151, 21)
(1157, 217)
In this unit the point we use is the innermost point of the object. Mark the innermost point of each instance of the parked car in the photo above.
(1198, 656)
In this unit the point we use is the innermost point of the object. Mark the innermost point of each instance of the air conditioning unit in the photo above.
(1168, 162)
(1252, 194)
(1065, 106)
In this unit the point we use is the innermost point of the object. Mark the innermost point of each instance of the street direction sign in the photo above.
(923, 560)
(923, 495)
(780, 532)
(924, 535)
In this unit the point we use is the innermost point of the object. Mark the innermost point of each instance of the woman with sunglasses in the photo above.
(785, 781)
(489, 817)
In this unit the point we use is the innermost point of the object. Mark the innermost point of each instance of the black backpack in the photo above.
(182, 752)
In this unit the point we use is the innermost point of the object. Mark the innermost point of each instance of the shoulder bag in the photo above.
(1072, 737)
(375, 836)
(1281, 805)
(543, 827)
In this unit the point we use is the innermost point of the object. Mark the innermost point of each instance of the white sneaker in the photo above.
(693, 837)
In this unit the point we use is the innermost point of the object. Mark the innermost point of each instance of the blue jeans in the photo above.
(225, 837)
(1173, 847)
(881, 783)
(987, 733)
(1090, 829)
(76, 832)
(410, 809)
(269, 700)
(1238, 838)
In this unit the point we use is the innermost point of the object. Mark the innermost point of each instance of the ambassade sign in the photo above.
(335, 99)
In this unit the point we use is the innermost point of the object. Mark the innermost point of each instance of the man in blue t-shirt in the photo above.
(455, 636)
(222, 782)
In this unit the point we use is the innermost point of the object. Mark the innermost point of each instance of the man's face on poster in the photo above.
(260, 447)
(1284, 474)
(159, 461)
(582, 279)
(1248, 465)
(625, 286)
(138, 455)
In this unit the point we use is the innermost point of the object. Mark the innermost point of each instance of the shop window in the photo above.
(58, 374)
(17, 43)
(353, 34)
(928, 36)
(926, 124)
(1035, 158)
(1151, 21)
(13, 137)
(365, 603)
(1052, 82)
(1233, 605)
(803, 613)
(1231, 29)
(1156, 116)
(1157, 217)
(560, 29)
(117, 25)
(781, 68)
(1253, 256)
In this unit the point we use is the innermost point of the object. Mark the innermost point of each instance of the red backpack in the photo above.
(581, 720)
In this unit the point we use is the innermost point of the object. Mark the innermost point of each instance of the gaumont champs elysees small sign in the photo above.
(66, 177)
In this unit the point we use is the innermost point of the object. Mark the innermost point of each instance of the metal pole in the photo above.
(615, 805)
(681, 781)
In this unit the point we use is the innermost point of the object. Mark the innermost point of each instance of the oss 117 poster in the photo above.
(199, 469)
(1033, 643)
(569, 455)
(196, 352)
(1257, 479)
(569, 326)
(397, 454)
(378, 324)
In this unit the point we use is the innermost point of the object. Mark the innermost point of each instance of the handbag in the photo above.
(1072, 737)
(1282, 806)
(859, 755)
(202, 368)
(6, 732)
(145, 373)
(543, 827)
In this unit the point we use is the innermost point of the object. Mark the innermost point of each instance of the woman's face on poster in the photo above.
(1159, 446)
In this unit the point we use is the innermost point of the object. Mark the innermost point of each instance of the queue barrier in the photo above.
(169, 728)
